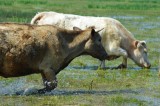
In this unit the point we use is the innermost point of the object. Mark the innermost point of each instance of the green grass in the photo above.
(84, 85)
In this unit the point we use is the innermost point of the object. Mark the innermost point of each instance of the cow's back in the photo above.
(112, 34)
(50, 18)
(68, 21)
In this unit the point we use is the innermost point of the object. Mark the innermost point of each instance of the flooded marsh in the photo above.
(82, 83)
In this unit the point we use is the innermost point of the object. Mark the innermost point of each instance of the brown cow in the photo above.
(26, 49)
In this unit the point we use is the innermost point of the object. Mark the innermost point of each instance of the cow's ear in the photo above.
(92, 27)
(93, 32)
(136, 43)
(76, 29)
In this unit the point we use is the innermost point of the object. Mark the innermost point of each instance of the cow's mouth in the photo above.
(144, 65)
(147, 66)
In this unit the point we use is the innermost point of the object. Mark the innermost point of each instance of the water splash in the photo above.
(16, 86)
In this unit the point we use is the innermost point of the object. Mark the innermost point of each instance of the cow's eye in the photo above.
(99, 40)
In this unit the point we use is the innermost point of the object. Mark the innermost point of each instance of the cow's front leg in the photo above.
(120, 52)
(124, 64)
(124, 54)
(49, 80)
(43, 78)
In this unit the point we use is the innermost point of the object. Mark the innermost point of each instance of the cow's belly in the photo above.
(112, 57)
(11, 67)
(12, 70)
(112, 52)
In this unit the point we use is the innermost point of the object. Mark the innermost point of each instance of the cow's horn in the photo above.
(100, 30)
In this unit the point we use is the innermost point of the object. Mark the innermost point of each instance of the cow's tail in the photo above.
(37, 17)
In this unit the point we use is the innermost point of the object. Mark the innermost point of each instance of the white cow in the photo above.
(116, 39)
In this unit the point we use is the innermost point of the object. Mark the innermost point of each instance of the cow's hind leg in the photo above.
(49, 80)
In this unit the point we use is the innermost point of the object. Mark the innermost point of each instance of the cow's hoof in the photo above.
(121, 66)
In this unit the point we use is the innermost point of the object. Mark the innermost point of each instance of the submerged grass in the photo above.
(82, 83)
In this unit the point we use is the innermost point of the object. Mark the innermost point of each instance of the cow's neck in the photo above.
(127, 39)
(127, 43)
(75, 46)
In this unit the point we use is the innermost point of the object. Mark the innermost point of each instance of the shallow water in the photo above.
(128, 17)
(91, 68)
(157, 40)
(146, 25)
(15, 86)
(11, 88)
(93, 92)
(33, 91)
(149, 25)
(153, 100)
(156, 50)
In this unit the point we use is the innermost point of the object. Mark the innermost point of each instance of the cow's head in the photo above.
(140, 54)
(93, 45)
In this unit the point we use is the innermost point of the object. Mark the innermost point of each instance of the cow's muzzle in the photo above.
(147, 66)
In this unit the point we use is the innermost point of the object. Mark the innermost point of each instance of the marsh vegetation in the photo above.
(82, 82)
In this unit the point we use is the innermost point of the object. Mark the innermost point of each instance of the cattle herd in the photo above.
(53, 40)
